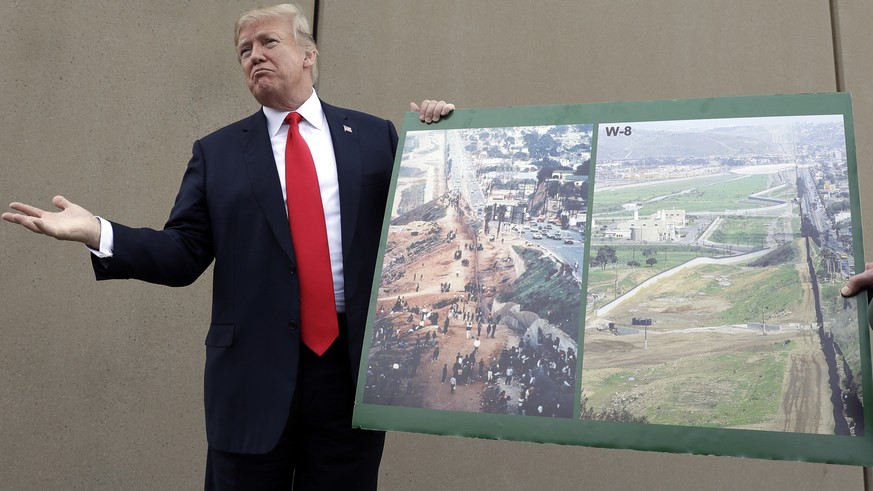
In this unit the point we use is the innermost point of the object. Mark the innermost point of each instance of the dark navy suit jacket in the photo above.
(230, 209)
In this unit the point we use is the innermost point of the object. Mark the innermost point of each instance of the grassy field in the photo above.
(755, 293)
(742, 231)
(702, 194)
(727, 390)
(668, 256)
(758, 294)
(787, 193)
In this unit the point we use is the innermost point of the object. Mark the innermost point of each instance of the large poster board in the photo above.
(658, 275)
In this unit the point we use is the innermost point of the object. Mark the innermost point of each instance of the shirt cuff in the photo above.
(107, 240)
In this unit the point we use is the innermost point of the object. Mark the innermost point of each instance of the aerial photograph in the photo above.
(480, 292)
(717, 251)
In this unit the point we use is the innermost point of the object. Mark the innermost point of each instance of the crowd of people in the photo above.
(535, 377)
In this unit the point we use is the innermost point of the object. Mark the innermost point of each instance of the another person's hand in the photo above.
(431, 111)
(72, 223)
(858, 282)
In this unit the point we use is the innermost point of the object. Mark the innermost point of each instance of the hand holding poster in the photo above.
(657, 275)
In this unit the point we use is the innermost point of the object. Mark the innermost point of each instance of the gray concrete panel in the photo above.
(853, 21)
(491, 53)
(100, 383)
(436, 463)
(499, 53)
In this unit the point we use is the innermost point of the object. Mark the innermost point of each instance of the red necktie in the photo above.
(318, 320)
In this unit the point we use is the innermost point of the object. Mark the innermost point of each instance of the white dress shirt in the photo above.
(316, 133)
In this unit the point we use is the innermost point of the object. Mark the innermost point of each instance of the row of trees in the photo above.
(606, 255)
(539, 146)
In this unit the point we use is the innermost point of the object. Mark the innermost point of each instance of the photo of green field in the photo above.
(716, 254)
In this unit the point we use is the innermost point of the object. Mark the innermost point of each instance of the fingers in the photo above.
(61, 202)
(425, 111)
(29, 220)
(446, 109)
(71, 222)
(431, 111)
(856, 283)
(26, 209)
(849, 290)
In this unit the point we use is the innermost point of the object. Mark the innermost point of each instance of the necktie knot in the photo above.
(293, 118)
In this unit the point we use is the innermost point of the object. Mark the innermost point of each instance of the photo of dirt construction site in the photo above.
(480, 294)
(717, 251)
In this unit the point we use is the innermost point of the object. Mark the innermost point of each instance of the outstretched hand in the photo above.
(72, 223)
(858, 282)
(431, 111)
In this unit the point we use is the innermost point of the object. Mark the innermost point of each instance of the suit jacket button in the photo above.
(293, 325)
(293, 270)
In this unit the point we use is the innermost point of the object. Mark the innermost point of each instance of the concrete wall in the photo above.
(100, 384)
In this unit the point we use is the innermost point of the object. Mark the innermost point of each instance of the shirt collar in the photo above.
(311, 111)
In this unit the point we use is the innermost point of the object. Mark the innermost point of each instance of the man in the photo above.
(279, 380)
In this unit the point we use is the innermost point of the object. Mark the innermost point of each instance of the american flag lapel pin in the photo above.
(347, 129)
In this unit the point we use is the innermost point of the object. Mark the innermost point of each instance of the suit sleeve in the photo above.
(176, 255)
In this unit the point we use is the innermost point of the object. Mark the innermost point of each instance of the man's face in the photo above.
(277, 71)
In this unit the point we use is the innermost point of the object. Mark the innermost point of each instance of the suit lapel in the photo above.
(261, 167)
(348, 166)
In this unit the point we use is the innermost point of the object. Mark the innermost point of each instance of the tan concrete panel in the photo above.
(101, 101)
(101, 384)
(853, 24)
(499, 53)
(379, 55)
(438, 463)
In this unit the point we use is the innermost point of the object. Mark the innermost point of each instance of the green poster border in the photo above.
(850, 450)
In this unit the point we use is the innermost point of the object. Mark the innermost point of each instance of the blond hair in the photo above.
(290, 13)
